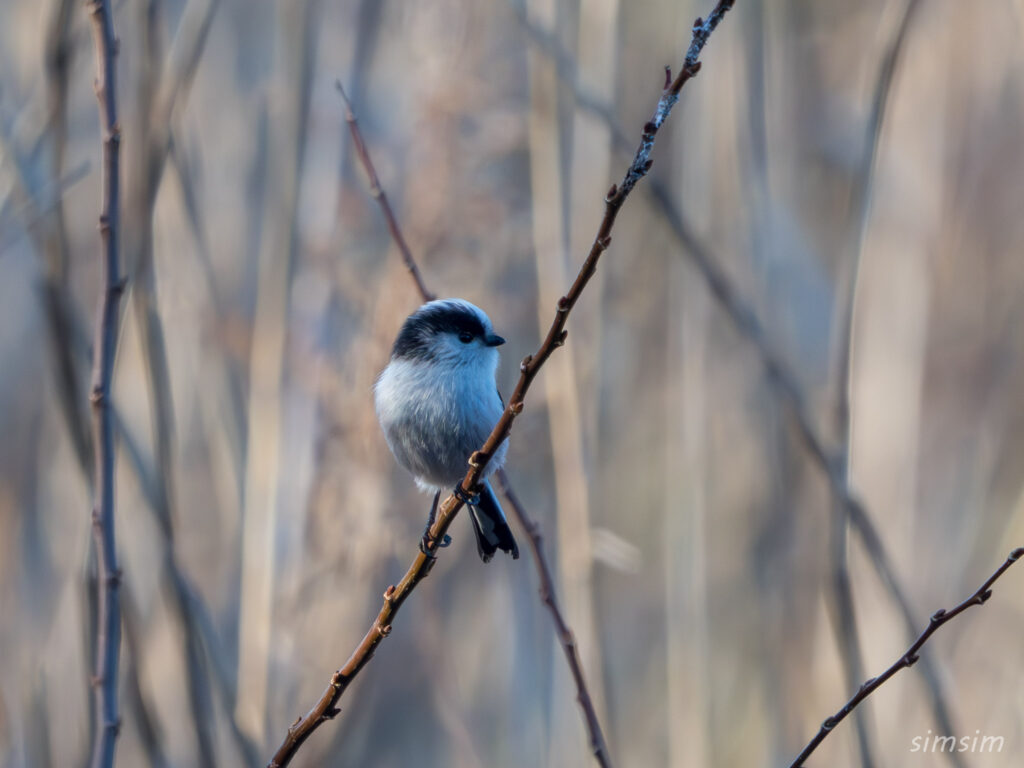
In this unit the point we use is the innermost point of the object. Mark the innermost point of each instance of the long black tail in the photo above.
(490, 526)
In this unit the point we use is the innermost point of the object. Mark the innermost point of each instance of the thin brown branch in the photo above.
(326, 708)
(908, 659)
(564, 632)
(548, 594)
(378, 193)
(108, 641)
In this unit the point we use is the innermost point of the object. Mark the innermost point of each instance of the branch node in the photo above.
(113, 579)
(476, 460)
(384, 630)
(829, 724)
(389, 593)
(516, 407)
(1016, 555)
(331, 713)
(668, 77)
(604, 242)
(561, 338)
(612, 191)
(525, 364)
(563, 306)
(938, 616)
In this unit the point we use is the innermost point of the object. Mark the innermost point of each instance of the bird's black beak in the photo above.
(493, 340)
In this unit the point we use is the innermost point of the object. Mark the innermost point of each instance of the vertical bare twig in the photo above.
(908, 659)
(548, 593)
(326, 708)
(108, 644)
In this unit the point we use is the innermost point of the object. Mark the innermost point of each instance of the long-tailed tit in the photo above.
(437, 402)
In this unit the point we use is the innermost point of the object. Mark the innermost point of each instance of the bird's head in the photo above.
(449, 331)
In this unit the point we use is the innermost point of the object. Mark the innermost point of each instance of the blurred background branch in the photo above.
(843, 608)
(277, 256)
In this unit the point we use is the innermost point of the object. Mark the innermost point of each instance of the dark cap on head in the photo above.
(453, 316)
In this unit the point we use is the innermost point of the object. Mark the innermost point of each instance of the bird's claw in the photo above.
(466, 498)
(428, 540)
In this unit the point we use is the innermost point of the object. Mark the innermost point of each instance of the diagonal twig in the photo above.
(566, 638)
(108, 631)
(908, 659)
(378, 194)
(326, 708)
(548, 594)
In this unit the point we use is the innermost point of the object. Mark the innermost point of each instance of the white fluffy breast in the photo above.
(434, 415)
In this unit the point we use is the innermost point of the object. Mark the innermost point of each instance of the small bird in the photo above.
(437, 403)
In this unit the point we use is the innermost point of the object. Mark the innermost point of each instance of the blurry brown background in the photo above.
(259, 514)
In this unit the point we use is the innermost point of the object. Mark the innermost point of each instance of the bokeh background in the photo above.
(823, 271)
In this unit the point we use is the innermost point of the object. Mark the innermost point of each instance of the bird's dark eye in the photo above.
(465, 337)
